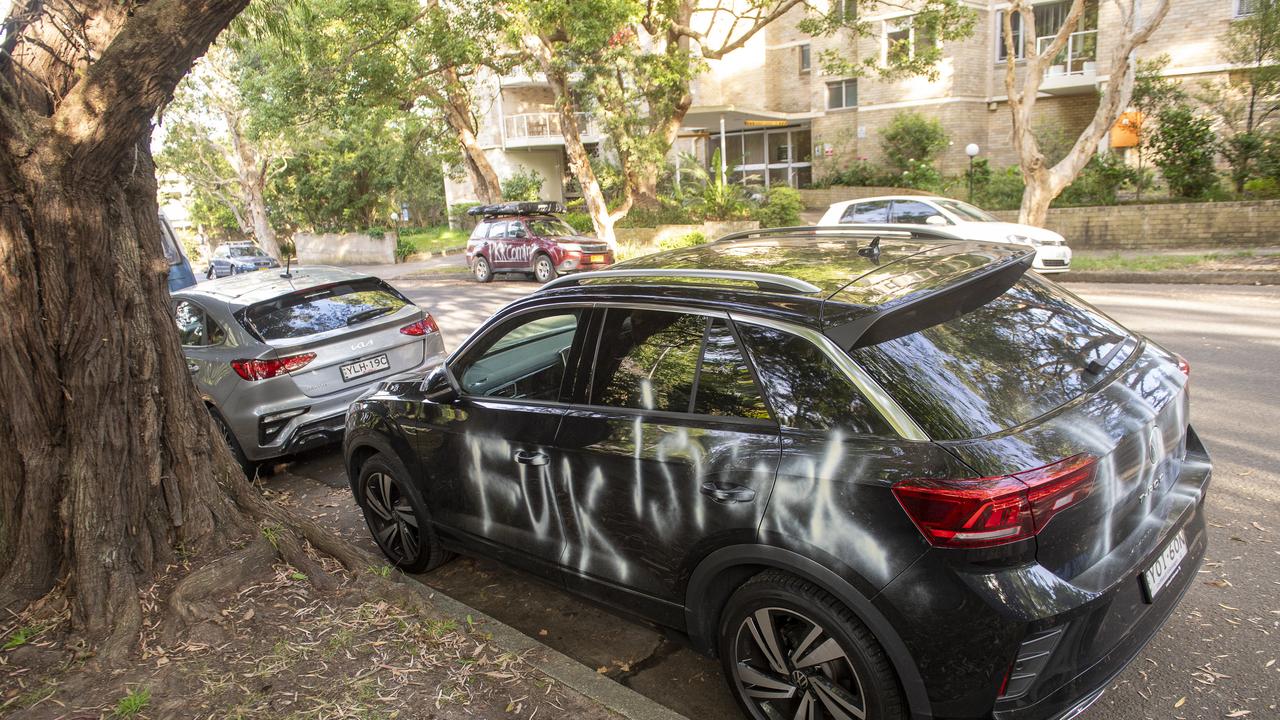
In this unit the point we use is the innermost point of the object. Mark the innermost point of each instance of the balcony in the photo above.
(1075, 70)
(530, 130)
(523, 78)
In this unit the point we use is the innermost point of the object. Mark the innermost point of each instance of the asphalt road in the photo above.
(1217, 657)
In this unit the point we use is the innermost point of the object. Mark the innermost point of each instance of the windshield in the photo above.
(548, 227)
(967, 211)
(319, 310)
(246, 252)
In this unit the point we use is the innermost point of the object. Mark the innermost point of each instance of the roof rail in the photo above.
(765, 281)
(858, 230)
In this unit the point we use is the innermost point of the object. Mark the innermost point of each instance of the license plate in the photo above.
(351, 371)
(597, 258)
(1165, 567)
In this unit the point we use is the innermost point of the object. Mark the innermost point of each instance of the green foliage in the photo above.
(920, 176)
(1183, 146)
(861, 173)
(1242, 152)
(133, 703)
(910, 140)
(434, 239)
(524, 184)
(781, 208)
(21, 636)
(935, 22)
(404, 248)
(663, 214)
(580, 221)
(1262, 188)
(459, 218)
(1100, 182)
(683, 241)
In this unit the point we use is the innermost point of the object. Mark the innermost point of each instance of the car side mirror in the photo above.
(935, 220)
(440, 388)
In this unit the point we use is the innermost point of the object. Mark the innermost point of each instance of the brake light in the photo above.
(426, 325)
(983, 512)
(253, 370)
(1183, 365)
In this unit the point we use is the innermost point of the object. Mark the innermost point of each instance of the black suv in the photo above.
(878, 473)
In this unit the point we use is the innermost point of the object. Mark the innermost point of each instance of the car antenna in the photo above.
(872, 250)
(288, 260)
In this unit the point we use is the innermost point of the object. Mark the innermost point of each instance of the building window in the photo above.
(903, 41)
(845, 9)
(1246, 7)
(1049, 19)
(842, 94)
(806, 59)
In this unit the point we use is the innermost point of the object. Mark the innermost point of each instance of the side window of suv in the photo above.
(525, 359)
(673, 362)
(807, 390)
(867, 212)
(195, 329)
(481, 230)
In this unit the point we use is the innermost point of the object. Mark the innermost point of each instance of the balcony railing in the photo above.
(546, 126)
(1078, 57)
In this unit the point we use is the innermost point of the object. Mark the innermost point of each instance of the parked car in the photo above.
(1052, 253)
(876, 478)
(527, 237)
(180, 275)
(234, 258)
(278, 358)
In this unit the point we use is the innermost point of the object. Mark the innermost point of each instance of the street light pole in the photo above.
(972, 151)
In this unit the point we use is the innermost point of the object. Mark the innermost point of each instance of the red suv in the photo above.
(527, 237)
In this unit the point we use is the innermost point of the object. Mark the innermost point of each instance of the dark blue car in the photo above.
(180, 274)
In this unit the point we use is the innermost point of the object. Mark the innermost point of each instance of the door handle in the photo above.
(728, 493)
(535, 458)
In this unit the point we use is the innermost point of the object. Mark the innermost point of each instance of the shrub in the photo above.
(1100, 181)
(1262, 188)
(1184, 151)
(687, 240)
(458, 216)
(660, 215)
(579, 220)
(921, 176)
(861, 173)
(781, 208)
(911, 139)
(404, 248)
(524, 184)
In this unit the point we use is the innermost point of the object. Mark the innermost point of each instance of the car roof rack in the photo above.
(769, 282)
(850, 230)
(540, 207)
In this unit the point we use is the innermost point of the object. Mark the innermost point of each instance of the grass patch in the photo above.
(435, 239)
(132, 704)
(21, 636)
(1152, 263)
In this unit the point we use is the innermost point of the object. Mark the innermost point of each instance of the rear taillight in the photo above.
(982, 512)
(252, 370)
(426, 325)
(1183, 365)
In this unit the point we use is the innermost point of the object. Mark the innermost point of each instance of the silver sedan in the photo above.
(279, 358)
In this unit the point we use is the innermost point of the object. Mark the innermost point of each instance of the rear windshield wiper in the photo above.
(1095, 367)
(368, 315)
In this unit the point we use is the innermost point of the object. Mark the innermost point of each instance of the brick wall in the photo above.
(1165, 226)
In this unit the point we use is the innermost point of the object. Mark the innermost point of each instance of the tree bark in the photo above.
(252, 170)
(111, 461)
(456, 102)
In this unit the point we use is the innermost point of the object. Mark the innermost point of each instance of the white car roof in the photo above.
(887, 197)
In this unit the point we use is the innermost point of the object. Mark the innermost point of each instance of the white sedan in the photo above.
(1052, 253)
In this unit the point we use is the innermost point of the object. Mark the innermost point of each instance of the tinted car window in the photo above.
(647, 360)
(1008, 362)
(912, 211)
(194, 326)
(497, 230)
(868, 212)
(806, 389)
(725, 385)
(322, 309)
(247, 252)
(524, 360)
(548, 227)
(481, 231)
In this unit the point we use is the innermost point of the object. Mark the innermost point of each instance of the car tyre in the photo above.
(544, 271)
(249, 467)
(790, 649)
(397, 516)
(481, 269)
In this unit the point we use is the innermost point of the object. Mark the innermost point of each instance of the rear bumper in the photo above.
(966, 627)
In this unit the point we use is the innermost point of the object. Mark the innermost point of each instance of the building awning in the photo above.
(736, 117)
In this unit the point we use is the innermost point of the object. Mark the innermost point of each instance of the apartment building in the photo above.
(778, 118)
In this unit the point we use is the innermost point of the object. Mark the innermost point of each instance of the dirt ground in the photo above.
(279, 648)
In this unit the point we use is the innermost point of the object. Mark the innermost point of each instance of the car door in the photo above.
(523, 244)
(501, 248)
(202, 340)
(493, 463)
(672, 455)
(876, 211)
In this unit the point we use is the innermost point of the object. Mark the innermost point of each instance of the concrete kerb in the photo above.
(1206, 277)
(618, 699)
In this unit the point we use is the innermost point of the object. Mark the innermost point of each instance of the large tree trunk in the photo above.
(251, 172)
(110, 460)
(456, 102)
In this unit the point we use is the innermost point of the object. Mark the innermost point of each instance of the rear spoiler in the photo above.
(918, 311)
